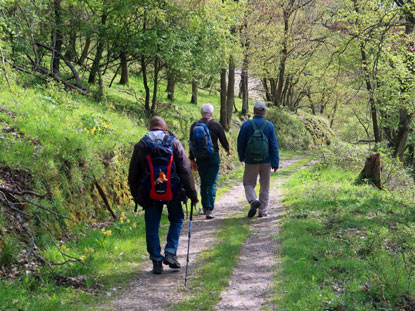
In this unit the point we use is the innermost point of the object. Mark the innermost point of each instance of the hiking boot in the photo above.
(157, 267)
(171, 261)
(262, 214)
(209, 214)
(254, 205)
(204, 211)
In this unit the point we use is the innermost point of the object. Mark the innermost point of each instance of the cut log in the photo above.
(372, 171)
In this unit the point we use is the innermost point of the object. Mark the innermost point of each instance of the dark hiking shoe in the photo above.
(209, 214)
(157, 267)
(262, 214)
(171, 261)
(254, 205)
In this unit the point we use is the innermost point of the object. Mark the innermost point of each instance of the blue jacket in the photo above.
(246, 132)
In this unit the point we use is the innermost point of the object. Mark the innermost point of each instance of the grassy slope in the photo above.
(344, 247)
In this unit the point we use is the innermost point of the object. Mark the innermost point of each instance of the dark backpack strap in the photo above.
(253, 124)
(264, 125)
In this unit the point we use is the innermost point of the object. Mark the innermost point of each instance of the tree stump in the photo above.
(372, 171)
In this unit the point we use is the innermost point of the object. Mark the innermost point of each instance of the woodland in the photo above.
(80, 80)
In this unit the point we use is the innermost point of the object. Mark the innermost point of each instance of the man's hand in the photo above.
(275, 170)
(228, 153)
(193, 164)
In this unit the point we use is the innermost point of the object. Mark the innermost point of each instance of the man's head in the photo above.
(158, 123)
(260, 108)
(206, 110)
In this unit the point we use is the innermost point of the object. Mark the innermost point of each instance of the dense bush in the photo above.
(299, 132)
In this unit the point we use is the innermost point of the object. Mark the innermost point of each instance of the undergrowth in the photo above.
(343, 246)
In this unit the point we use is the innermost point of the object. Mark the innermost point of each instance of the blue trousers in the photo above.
(152, 216)
(208, 172)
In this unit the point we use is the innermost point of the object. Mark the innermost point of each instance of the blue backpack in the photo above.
(201, 142)
(161, 182)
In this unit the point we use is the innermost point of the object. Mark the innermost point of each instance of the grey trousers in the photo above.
(250, 179)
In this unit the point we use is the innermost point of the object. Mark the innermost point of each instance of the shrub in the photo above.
(299, 132)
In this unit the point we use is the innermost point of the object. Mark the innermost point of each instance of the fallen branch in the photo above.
(104, 197)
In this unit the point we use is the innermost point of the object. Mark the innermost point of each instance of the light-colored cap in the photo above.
(260, 107)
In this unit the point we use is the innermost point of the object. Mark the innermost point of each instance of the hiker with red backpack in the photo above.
(204, 155)
(159, 169)
(258, 149)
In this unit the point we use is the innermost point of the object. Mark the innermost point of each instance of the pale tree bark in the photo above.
(223, 91)
(230, 96)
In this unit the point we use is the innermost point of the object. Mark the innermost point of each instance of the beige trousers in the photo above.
(251, 173)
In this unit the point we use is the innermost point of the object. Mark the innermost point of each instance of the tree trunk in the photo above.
(100, 50)
(281, 67)
(405, 117)
(403, 132)
(268, 96)
(193, 100)
(155, 84)
(145, 83)
(230, 96)
(372, 171)
(57, 38)
(372, 102)
(171, 81)
(223, 90)
(124, 69)
(244, 86)
(85, 50)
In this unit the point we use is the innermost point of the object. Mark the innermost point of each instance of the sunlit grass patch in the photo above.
(343, 247)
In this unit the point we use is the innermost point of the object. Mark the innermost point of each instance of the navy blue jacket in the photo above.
(246, 132)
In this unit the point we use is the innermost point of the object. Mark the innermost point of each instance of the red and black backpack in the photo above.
(161, 181)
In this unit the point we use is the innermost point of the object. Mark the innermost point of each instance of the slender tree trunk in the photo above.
(281, 67)
(405, 118)
(230, 96)
(273, 86)
(57, 37)
(193, 100)
(268, 96)
(124, 69)
(372, 101)
(155, 84)
(223, 91)
(244, 82)
(171, 81)
(85, 50)
(100, 50)
(71, 50)
(145, 83)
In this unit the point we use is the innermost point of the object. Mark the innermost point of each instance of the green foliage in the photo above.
(299, 132)
(344, 247)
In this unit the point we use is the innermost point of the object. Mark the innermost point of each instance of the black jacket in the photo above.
(137, 172)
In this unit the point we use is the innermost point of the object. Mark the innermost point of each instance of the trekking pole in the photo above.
(188, 242)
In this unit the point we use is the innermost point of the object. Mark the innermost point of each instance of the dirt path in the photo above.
(155, 292)
(251, 281)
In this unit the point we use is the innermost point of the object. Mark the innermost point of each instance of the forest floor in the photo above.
(249, 286)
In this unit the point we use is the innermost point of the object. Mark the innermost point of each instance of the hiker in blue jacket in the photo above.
(204, 155)
(258, 149)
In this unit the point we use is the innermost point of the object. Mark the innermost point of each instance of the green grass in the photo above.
(112, 255)
(206, 284)
(344, 247)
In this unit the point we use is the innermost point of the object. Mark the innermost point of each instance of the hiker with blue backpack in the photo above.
(258, 149)
(159, 170)
(204, 155)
